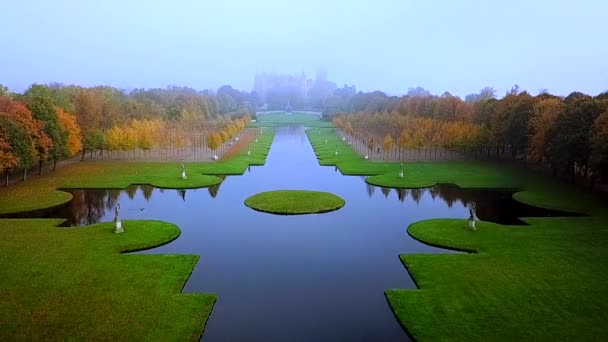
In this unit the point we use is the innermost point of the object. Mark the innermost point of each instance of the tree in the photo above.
(20, 119)
(542, 121)
(4, 91)
(41, 105)
(517, 109)
(486, 93)
(88, 109)
(214, 141)
(569, 149)
(16, 146)
(74, 136)
(599, 141)
(387, 143)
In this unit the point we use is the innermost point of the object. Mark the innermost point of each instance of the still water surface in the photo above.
(310, 277)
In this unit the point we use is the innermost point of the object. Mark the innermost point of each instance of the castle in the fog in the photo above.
(276, 90)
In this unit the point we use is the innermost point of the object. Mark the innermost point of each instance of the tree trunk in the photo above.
(40, 167)
(83, 152)
(24, 174)
(6, 177)
(54, 164)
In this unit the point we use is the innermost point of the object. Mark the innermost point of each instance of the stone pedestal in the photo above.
(184, 175)
(118, 227)
(336, 152)
(248, 153)
(400, 174)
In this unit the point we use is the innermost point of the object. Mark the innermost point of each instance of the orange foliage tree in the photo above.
(69, 124)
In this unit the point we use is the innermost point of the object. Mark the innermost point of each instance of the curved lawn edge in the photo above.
(413, 230)
(294, 202)
(105, 277)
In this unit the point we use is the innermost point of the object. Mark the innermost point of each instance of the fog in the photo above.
(384, 45)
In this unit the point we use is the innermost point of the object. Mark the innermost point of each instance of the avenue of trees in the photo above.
(568, 135)
(55, 122)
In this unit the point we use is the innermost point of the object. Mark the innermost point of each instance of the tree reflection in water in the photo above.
(496, 205)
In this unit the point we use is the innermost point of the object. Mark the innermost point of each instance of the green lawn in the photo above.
(42, 192)
(547, 281)
(294, 202)
(282, 118)
(73, 284)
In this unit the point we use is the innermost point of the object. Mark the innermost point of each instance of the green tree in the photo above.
(599, 147)
(40, 103)
(21, 146)
(569, 147)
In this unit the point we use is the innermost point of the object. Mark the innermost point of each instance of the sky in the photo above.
(456, 46)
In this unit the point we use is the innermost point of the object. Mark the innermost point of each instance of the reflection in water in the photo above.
(213, 190)
(89, 206)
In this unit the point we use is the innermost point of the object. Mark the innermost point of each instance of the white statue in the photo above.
(117, 223)
(184, 172)
(401, 171)
(473, 215)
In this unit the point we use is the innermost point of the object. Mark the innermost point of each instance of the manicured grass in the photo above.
(42, 192)
(279, 119)
(547, 281)
(294, 202)
(73, 284)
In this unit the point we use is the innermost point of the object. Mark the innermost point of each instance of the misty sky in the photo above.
(460, 46)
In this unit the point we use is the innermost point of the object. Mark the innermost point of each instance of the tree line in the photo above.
(53, 122)
(567, 135)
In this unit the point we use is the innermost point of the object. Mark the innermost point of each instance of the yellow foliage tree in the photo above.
(70, 125)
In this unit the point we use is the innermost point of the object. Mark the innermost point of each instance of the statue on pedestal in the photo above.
(117, 223)
(401, 171)
(184, 172)
(473, 215)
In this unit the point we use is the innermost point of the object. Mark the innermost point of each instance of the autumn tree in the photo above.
(88, 106)
(545, 114)
(214, 141)
(70, 126)
(40, 103)
(18, 121)
(387, 144)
